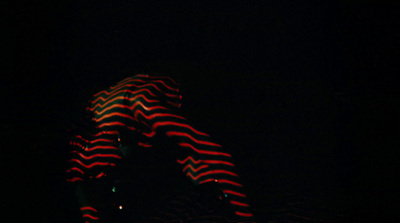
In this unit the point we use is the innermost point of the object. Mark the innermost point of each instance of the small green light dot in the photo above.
(113, 189)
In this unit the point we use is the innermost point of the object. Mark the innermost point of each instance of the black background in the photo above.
(305, 95)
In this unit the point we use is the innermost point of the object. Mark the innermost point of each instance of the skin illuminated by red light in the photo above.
(193, 169)
(187, 159)
(187, 135)
(234, 193)
(243, 214)
(239, 203)
(180, 125)
(76, 169)
(90, 216)
(88, 208)
(204, 151)
(135, 100)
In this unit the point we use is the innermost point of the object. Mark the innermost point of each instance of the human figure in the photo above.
(167, 170)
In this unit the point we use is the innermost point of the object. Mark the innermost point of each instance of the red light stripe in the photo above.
(204, 151)
(155, 86)
(77, 144)
(151, 134)
(173, 133)
(90, 216)
(123, 97)
(109, 95)
(144, 145)
(126, 82)
(80, 137)
(75, 179)
(93, 164)
(142, 75)
(157, 115)
(99, 155)
(193, 169)
(88, 208)
(173, 95)
(128, 107)
(123, 82)
(239, 203)
(111, 107)
(208, 180)
(163, 77)
(243, 214)
(234, 193)
(145, 107)
(174, 104)
(187, 159)
(114, 114)
(106, 133)
(114, 124)
(209, 173)
(163, 83)
(76, 169)
(229, 182)
(123, 91)
(156, 125)
(218, 162)
(101, 147)
(101, 140)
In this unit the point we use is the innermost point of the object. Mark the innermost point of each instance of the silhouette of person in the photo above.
(136, 159)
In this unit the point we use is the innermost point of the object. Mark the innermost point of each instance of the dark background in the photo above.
(305, 95)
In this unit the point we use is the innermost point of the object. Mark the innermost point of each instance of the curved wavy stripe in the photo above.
(75, 179)
(194, 169)
(99, 155)
(210, 173)
(106, 133)
(157, 124)
(111, 124)
(113, 114)
(243, 214)
(234, 193)
(163, 83)
(88, 208)
(124, 91)
(119, 86)
(163, 77)
(204, 151)
(189, 158)
(218, 162)
(149, 135)
(112, 107)
(92, 164)
(158, 115)
(238, 203)
(144, 145)
(187, 135)
(90, 216)
(223, 181)
(76, 169)
(101, 147)
(101, 140)
(124, 97)
(81, 138)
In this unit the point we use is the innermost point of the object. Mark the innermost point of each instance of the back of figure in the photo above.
(143, 161)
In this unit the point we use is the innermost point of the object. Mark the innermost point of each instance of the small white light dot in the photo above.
(120, 207)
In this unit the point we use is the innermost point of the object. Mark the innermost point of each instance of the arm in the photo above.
(92, 154)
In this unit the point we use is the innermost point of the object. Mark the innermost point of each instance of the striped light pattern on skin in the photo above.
(152, 102)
